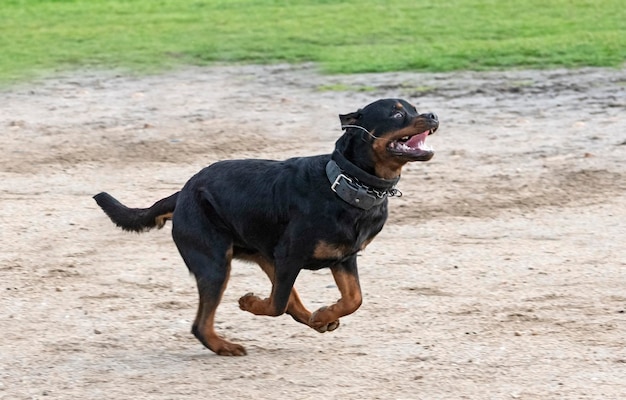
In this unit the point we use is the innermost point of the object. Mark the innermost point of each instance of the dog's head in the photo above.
(385, 135)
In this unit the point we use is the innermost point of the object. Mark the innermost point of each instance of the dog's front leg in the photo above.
(276, 304)
(347, 279)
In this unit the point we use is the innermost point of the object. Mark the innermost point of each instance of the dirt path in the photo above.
(501, 273)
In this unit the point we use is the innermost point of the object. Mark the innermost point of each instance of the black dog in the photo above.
(302, 213)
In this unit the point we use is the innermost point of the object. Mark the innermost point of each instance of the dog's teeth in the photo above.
(405, 138)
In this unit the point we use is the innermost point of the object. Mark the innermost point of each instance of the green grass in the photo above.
(341, 36)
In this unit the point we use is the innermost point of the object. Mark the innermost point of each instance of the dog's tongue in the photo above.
(417, 141)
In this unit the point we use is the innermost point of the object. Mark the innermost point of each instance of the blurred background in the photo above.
(39, 36)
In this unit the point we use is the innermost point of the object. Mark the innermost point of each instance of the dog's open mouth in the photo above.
(413, 147)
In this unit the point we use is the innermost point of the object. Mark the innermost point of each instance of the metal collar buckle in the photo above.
(336, 182)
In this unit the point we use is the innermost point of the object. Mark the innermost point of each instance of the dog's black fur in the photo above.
(284, 216)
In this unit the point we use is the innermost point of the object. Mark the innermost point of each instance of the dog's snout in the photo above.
(432, 116)
(432, 120)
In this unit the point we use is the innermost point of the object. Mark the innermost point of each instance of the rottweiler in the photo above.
(301, 213)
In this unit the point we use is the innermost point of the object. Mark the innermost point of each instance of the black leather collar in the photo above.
(372, 181)
(355, 186)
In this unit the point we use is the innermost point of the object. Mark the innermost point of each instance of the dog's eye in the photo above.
(398, 115)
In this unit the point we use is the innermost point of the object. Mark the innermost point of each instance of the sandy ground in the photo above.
(501, 273)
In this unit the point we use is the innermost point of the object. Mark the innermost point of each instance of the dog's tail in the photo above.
(137, 219)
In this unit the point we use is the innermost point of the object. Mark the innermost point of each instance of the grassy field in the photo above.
(342, 36)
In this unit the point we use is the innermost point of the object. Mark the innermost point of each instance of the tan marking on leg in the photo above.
(295, 308)
(325, 251)
(349, 302)
(205, 322)
(212, 340)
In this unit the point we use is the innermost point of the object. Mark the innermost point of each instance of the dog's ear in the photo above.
(350, 119)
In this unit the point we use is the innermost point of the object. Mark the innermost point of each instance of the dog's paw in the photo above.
(230, 349)
(329, 327)
(246, 301)
(218, 344)
(316, 322)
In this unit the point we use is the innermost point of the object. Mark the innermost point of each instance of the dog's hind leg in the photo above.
(210, 264)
